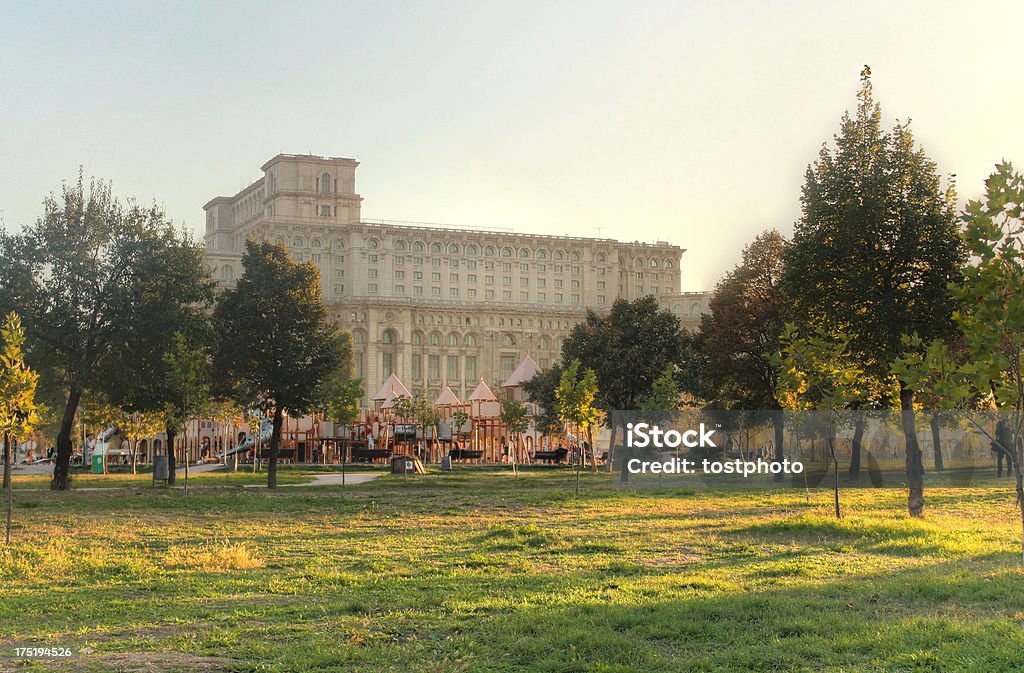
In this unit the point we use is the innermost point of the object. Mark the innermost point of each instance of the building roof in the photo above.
(447, 398)
(526, 370)
(482, 393)
(392, 386)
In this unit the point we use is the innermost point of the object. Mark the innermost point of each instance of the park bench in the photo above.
(360, 454)
(555, 456)
(465, 454)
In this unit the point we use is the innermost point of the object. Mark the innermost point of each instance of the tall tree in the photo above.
(514, 418)
(577, 394)
(277, 344)
(188, 372)
(992, 323)
(741, 331)
(541, 391)
(874, 252)
(82, 278)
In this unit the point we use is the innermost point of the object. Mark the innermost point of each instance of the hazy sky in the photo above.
(691, 122)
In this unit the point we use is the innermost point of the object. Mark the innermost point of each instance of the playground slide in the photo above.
(107, 441)
(266, 429)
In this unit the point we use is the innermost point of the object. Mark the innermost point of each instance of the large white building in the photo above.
(433, 303)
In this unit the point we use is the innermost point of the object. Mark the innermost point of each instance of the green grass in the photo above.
(476, 571)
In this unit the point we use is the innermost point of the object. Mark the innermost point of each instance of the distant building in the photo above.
(434, 303)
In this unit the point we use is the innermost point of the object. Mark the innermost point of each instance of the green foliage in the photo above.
(628, 349)
(576, 396)
(541, 390)
(99, 285)
(277, 344)
(341, 394)
(514, 417)
(877, 243)
(19, 411)
(741, 331)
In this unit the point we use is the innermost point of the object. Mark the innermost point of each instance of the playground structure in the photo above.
(469, 430)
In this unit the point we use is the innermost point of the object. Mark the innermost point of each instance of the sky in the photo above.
(691, 122)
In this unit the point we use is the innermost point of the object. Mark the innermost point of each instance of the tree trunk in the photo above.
(172, 467)
(936, 442)
(275, 443)
(855, 449)
(62, 466)
(627, 453)
(590, 448)
(611, 450)
(779, 425)
(915, 464)
(133, 449)
(7, 460)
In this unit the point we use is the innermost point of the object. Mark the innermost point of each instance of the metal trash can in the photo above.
(446, 464)
(97, 463)
(160, 468)
(402, 465)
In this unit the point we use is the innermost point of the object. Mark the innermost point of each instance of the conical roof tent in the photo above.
(447, 398)
(393, 386)
(482, 393)
(526, 370)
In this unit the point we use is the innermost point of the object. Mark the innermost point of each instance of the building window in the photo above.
(575, 299)
(558, 282)
(359, 365)
(524, 268)
(371, 288)
(542, 296)
(453, 249)
(505, 266)
(506, 294)
(371, 273)
(325, 211)
(600, 285)
(435, 339)
(507, 280)
(508, 363)
(471, 292)
(541, 282)
(576, 270)
(453, 367)
(453, 292)
(559, 297)
(373, 259)
(435, 262)
(399, 260)
(600, 299)
(435, 291)
(373, 244)
(524, 296)
(388, 361)
(489, 280)
(471, 278)
(575, 284)
(418, 289)
(400, 275)
(524, 281)
(558, 268)
(436, 277)
(399, 289)
(316, 257)
(453, 278)
(600, 272)
(435, 248)
(325, 183)
(339, 289)
(433, 367)
(488, 294)
(417, 366)
(471, 264)
(470, 367)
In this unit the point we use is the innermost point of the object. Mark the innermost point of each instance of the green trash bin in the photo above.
(97, 463)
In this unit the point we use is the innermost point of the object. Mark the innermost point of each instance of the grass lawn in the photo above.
(476, 571)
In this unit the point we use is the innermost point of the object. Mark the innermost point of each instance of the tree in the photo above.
(137, 425)
(342, 392)
(874, 251)
(541, 391)
(740, 333)
(819, 372)
(576, 404)
(188, 372)
(514, 418)
(991, 320)
(278, 346)
(19, 412)
(628, 349)
(84, 278)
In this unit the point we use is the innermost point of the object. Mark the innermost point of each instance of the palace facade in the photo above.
(433, 303)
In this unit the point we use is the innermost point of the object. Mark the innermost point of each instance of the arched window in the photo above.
(508, 340)
(559, 256)
(542, 254)
(471, 340)
(400, 245)
(314, 243)
(694, 309)
(227, 273)
(453, 249)
(297, 242)
(358, 337)
(453, 339)
(417, 338)
(574, 256)
(388, 337)
(417, 246)
(435, 339)
(372, 243)
(435, 247)
(654, 264)
(280, 240)
(639, 263)
(600, 256)
(489, 251)
(524, 253)
(543, 344)
(325, 183)
(506, 252)
(668, 264)
(471, 250)
(339, 244)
